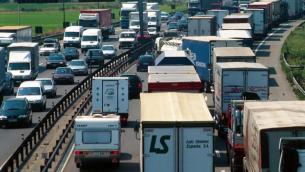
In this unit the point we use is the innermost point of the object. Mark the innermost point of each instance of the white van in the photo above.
(97, 139)
(72, 36)
(34, 92)
(91, 39)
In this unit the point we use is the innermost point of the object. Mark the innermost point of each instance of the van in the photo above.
(72, 36)
(91, 39)
(34, 92)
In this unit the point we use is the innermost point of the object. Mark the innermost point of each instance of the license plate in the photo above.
(100, 154)
(13, 120)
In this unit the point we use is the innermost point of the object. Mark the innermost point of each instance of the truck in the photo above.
(276, 11)
(11, 34)
(154, 19)
(134, 21)
(171, 70)
(152, 6)
(260, 23)
(127, 39)
(204, 25)
(237, 26)
(73, 36)
(97, 139)
(2, 72)
(202, 47)
(238, 18)
(110, 96)
(126, 8)
(177, 133)
(220, 14)
(175, 58)
(231, 80)
(97, 19)
(267, 6)
(274, 136)
(195, 6)
(244, 35)
(23, 61)
(294, 8)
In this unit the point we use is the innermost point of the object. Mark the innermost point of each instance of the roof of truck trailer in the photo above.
(171, 70)
(236, 26)
(241, 65)
(174, 107)
(259, 3)
(23, 44)
(202, 17)
(13, 27)
(206, 38)
(233, 52)
(173, 78)
(238, 15)
(242, 34)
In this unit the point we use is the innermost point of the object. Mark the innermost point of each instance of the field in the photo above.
(50, 16)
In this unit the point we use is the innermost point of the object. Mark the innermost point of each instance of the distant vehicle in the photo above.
(243, 6)
(48, 48)
(154, 19)
(79, 67)
(127, 39)
(145, 61)
(3, 76)
(91, 39)
(49, 86)
(152, 31)
(112, 30)
(134, 20)
(52, 40)
(178, 15)
(97, 139)
(126, 9)
(72, 36)
(63, 75)
(55, 60)
(144, 37)
(8, 87)
(95, 57)
(182, 24)
(164, 16)
(134, 86)
(109, 51)
(34, 92)
(12, 34)
(71, 53)
(172, 26)
(16, 111)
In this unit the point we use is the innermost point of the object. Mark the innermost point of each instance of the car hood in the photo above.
(89, 43)
(31, 98)
(126, 39)
(77, 67)
(20, 72)
(108, 52)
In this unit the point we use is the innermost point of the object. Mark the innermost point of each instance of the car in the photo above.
(63, 75)
(145, 61)
(48, 48)
(112, 30)
(152, 30)
(79, 67)
(145, 36)
(16, 111)
(109, 51)
(34, 92)
(49, 86)
(172, 26)
(134, 85)
(127, 39)
(52, 40)
(95, 57)
(56, 60)
(164, 16)
(182, 24)
(178, 15)
(71, 53)
(8, 87)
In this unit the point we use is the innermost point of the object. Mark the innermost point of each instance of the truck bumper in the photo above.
(96, 157)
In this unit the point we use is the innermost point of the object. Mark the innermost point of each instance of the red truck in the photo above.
(97, 19)
(267, 6)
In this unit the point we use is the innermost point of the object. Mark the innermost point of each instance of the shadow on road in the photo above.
(273, 83)
(124, 166)
(272, 70)
(263, 53)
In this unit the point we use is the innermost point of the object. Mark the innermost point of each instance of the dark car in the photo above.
(8, 87)
(63, 75)
(179, 15)
(182, 24)
(172, 26)
(145, 61)
(16, 111)
(56, 60)
(134, 85)
(71, 53)
(145, 36)
(95, 57)
(52, 40)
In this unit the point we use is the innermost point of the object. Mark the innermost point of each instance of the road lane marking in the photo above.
(66, 159)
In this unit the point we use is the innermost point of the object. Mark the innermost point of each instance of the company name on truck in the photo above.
(190, 144)
(164, 147)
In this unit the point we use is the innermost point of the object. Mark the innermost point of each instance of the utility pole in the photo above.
(18, 13)
(64, 13)
(140, 3)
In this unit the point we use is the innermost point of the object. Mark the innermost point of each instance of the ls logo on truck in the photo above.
(164, 148)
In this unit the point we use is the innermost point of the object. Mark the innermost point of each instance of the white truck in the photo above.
(204, 25)
(134, 21)
(11, 34)
(127, 39)
(97, 139)
(152, 6)
(127, 7)
(177, 133)
(260, 24)
(154, 19)
(23, 61)
(110, 95)
(73, 36)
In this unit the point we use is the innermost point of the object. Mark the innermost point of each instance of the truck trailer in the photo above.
(220, 14)
(260, 23)
(171, 70)
(11, 34)
(267, 6)
(204, 25)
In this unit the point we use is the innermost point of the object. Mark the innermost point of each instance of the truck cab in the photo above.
(97, 139)
(89, 20)
(134, 21)
(72, 36)
(127, 7)
(91, 39)
(154, 19)
(127, 39)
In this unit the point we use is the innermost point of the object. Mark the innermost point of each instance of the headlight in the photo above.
(61, 62)
(22, 116)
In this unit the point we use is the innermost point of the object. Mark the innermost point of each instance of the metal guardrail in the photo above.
(24, 151)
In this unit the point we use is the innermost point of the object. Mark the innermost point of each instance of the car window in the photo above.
(46, 82)
(24, 91)
(146, 59)
(108, 48)
(77, 63)
(63, 70)
(14, 105)
(56, 57)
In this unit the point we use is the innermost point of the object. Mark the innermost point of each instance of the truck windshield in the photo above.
(89, 38)
(96, 137)
(19, 66)
(127, 35)
(71, 34)
(152, 19)
(28, 91)
(88, 23)
(135, 23)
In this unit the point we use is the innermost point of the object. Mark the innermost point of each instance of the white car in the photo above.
(48, 48)
(49, 86)
(152, 30)
(109, 51)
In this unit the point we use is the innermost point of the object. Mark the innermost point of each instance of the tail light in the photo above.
(139, 85)
(78, 152)
(115, 152)
(123, 119)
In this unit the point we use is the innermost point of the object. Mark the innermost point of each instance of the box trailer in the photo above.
(11, 34)
(267, 6)
(244, 35)
(201, 25)
(177, 133)
(202, 47)
(174, 82)
(266, 126)
(238, 18)
(220, 14)
(236, 26)
(171, 70)
(110, 95)
(260, 23)
(276, 11)
(294, 7)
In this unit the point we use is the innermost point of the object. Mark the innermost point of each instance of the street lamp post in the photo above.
(64, 13)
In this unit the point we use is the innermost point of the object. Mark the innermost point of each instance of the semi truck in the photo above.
(128, 7)
(238, 18)
(97, 19)
(244, 35)
(171, 70)
(274, 136)
(294, 8)
(260, 23)
(204, 25)
(134, 21)
(154, 19)
(152, 6)
(267, 6)
(11, 34)
(110, 96)
(195, 6)
(23, 61)
(97, 139)
(177, 133)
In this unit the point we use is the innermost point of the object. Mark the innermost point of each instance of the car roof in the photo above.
(108, 45)
(40, 79)
(75, 60)
(30, 84)
(15, 98)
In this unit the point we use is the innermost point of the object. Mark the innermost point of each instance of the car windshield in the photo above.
(89, 38)
(24, 91)
(49, 45)
(77, 63)
(133, 23)
(71, 34)
(151, 29)
(172, 25)
(153, 19)
(13, 105)
(88, 23)
(19, 66)
(46, 82)
(95, 53)
(56, 57)
(108, 48)
(69, 50)
(127, 35)
(62, 70)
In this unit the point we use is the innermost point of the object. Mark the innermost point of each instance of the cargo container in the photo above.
(171, 70)
(201, 25)
(294, 7)
(220, 14)
(232, 79)
(236, 26)
(260, 23)
(267, 6)
(202, 47)
(11, 34)
(177, 133)
(174, 82)
(270, 126)
(238, 18)
(276, 11)
(244, 35)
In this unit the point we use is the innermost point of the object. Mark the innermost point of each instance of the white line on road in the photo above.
(66, 159)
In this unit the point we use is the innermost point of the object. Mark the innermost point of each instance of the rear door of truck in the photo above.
(123, 95)
(258, 82)
(110, 96)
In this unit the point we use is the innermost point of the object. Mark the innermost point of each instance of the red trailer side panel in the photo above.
(104, 15)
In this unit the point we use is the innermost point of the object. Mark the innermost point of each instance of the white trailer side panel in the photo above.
(196, 147)
(257, 81)
(159, 150)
